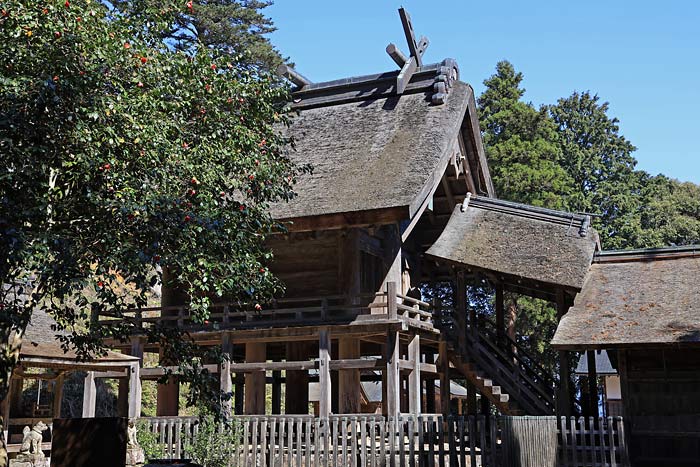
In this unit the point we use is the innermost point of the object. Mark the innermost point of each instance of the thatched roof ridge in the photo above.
(373, 151)
(636, 298)
(516, 241)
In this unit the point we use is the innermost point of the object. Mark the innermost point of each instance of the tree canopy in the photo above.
(121, 157)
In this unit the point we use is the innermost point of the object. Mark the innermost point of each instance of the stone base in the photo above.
(29, 460)
(135, 456)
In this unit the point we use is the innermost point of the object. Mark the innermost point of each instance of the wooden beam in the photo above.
(324, 372)
(392, 399)
(396, 55)
(292, 75)
(405, 75)
(500, 315)
(349, 378)
(89, 395)
(347, 219)
(257, 367)
(255, 352)
(414, 388)
(276, 392)
(58, 395)
(410, 35)
(448, 193)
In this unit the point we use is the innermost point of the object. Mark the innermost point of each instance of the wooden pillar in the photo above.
(324, 372)
(500, 318)
(5, 414)
(430, 395)
(349, 380)
(471, 398)
(444, 371)
(168, 396)
(255, 352)
(564, 395)
(296, 396)
(238, 394)
(89, 395)
(392, 398)
(58, 395)
(15, 395)
(276, 392)
(414, 387)
(592, 383)
(485, 406)
(134, 390)
(225, 380)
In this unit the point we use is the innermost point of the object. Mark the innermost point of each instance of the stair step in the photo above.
(496, 390)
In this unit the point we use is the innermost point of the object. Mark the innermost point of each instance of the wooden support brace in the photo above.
(396, 55)
(405, 75)
(444, 369)
(592, 383)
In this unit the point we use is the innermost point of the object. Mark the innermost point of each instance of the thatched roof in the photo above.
(637, 298)
(371, 150)
(40, 342)
(519, 243)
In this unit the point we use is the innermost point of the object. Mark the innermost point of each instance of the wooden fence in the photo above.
(425, 441)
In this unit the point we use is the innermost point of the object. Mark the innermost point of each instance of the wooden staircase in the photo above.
(500, 369)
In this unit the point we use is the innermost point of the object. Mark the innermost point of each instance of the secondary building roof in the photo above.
(376, 155)
(519, 243)
(636, 298)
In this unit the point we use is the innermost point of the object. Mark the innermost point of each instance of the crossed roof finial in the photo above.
(409, 64)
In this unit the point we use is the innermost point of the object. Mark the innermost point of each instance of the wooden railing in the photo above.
(284, 312)
(428, 440)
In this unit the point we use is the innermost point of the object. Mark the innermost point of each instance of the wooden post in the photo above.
(324, 372)
(500, 318)
(349, 380)
(296, 395)
(564, 396)
(58, 395)
(255, 381)
(414, 387)
(238, 394)
(89, 395)
(429, 395)
(225, 381)
(461, 307)
(5, 414)
(15, 394)
(444, 370)
(471, 398)
(592, 383)
(391, 300)
(392, 399)
(134, 390)
(276, 392)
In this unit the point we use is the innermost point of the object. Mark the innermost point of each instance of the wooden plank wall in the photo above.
(424, 441)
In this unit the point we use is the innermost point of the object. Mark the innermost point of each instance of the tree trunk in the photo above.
(10, 343)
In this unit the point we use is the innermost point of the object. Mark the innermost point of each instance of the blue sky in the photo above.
(641, 57)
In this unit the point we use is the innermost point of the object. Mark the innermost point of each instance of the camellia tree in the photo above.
(121, 158)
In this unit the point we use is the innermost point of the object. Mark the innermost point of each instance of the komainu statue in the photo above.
(30, 453)
(134, 452)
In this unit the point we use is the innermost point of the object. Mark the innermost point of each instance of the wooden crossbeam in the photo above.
(410, 35)
(409, 65)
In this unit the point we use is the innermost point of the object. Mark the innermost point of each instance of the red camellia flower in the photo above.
(189, 5)
(139, 84)
(257, 162)
(67, 4)
(55, 78)
(57, 34)
(127, 45)
(78, 19)
(213, 66)
(194, 181)
(187, 218)
(144, 59)
(185, 145)
(258, 307)
(241, 207)
(100, 284)
(262, 270)
(191, 192)
(222, 194)
(251, 177)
